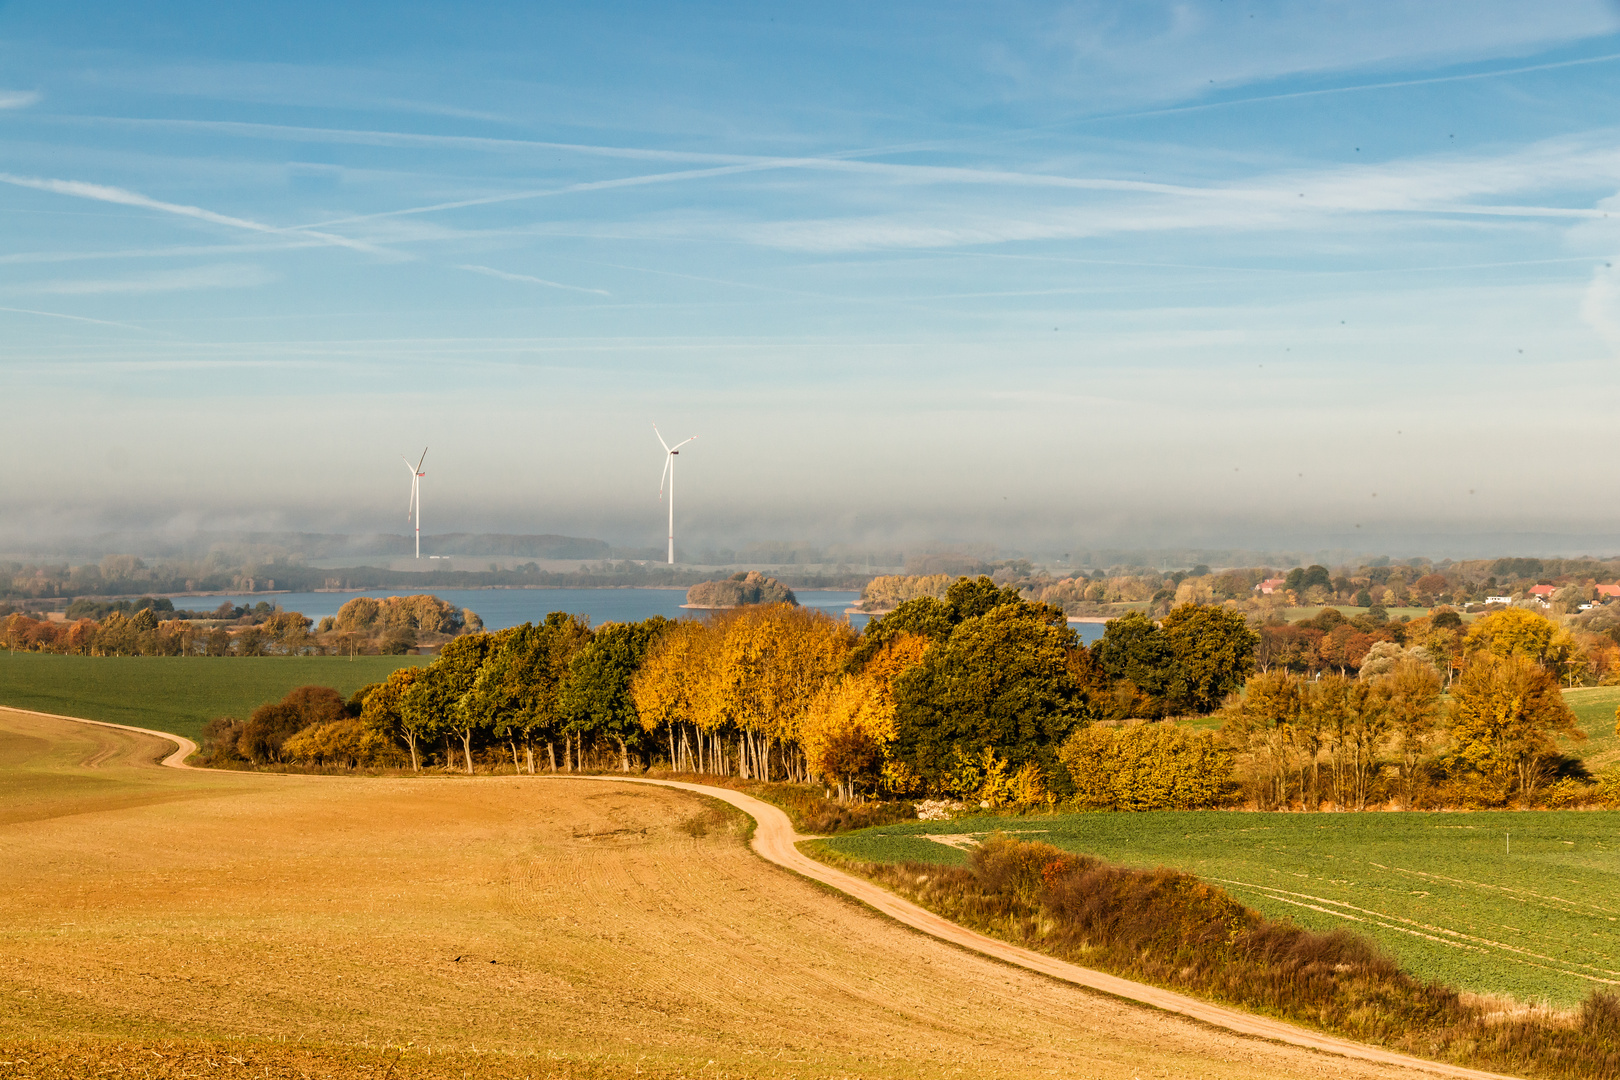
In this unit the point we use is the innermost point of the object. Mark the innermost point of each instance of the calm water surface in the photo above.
(500, 608)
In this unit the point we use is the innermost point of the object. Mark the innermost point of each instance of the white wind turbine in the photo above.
(669, 474)
(414, 511)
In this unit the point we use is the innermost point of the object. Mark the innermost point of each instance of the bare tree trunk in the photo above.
(528, 752)
(416, 762)
(466, 748)
(624, 757)
(513, 744)
(551, 752)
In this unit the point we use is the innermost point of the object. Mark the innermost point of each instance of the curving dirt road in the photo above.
(776, 841)
(184, 747)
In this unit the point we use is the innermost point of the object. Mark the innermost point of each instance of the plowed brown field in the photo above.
(158, 922)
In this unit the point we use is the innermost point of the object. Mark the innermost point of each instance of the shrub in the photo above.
(1148, 767)
(347, 742)
(812, 812)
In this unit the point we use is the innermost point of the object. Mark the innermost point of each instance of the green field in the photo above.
(1594, 708)
(1438, 890)
(175, 693)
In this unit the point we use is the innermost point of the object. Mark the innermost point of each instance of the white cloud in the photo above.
(19, 99)
(1179, 49)
(1600, 306)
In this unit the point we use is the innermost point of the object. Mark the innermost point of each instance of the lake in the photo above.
(500, 608)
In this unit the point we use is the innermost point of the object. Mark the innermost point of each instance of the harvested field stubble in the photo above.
(498, 926)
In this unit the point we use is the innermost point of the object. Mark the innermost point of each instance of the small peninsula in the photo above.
(738, 590)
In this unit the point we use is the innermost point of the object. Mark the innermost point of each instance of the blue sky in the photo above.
(1049, 276)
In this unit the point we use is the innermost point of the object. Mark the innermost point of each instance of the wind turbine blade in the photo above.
(408, 465)
(419, 463)
(660, 435)
(678, 445)
(669, 463)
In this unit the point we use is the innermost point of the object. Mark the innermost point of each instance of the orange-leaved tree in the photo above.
(849, 727)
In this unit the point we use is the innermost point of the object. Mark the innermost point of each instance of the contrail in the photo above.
(1469, 77)
(80, 189)
(76, 318)
(490, 271)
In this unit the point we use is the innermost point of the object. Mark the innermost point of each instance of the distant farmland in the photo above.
(175, 693)
(1439, 891)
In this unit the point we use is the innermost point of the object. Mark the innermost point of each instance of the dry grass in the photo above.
(166, 924)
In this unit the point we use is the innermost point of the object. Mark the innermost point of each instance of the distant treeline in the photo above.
(131, 576)
(390, 626)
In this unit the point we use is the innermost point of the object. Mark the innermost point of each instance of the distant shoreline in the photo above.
(890, 611)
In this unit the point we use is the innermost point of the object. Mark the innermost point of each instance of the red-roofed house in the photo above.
(1542, 592)
(1271, 585)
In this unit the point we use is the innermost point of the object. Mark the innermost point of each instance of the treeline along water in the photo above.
(501, 608)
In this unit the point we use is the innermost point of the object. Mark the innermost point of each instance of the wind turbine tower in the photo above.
(670, 453)
(414, 511)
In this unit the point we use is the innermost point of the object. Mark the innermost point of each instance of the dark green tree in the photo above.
(969, 598)
(595, 698)
(1316, 575)
(435, 698)
(1134, 647)
(1001, 683)
(1212, 651)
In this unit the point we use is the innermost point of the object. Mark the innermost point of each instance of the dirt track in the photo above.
(775, 841)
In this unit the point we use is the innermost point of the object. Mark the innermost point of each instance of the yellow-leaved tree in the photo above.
(1521, 632)
(674, 692)
(773, 661)
(849, 727)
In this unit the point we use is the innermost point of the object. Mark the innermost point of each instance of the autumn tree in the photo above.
(1351, 716)
(1521, 632)
(267, 730)
(1263, 721)
(383, 711)
(772, 663)
(1411, 697)
(850, 726)
(1507, 713)
(673, 688)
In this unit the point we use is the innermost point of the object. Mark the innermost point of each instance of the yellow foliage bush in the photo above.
(348, 742)
(1148, 767)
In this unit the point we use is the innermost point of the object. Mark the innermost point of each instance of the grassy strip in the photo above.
(178, 694)
(1168, 928)
(806, 805)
